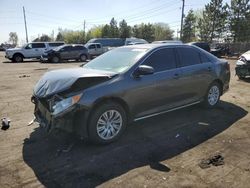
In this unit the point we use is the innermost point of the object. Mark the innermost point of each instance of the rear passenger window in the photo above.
(204, 58)
(98, 46)
(188, 56)
(79, 48)
(162, 60)
(38, 45)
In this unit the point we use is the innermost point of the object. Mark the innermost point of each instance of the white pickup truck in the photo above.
(95, 49)
(30, 50)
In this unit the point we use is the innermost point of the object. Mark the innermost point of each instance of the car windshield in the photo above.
(117, 60)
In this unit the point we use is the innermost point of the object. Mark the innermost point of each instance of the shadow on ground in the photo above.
(147, 142)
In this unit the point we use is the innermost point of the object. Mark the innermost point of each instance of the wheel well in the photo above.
(113, 99)
(18, 54)
(221, 85)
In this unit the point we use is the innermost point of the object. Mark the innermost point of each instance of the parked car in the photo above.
(108, 42)
(134, 41)
(167, 41)
(99, 99)
(95, 49)
(242, 68)
(30, 50)
(66, 52)
(203, 45)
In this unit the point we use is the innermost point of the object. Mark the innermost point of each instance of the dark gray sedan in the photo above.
(98, 100)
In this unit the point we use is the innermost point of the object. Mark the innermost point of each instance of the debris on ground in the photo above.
(24, 76)
(177, 135)
(215, 160)
(32, 121)
(5, 123)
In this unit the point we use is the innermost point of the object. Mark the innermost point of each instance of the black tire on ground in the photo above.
(83, 57)
(106, 118)
(18, 58)
(241, 77)
(212, 96)
(55, 59)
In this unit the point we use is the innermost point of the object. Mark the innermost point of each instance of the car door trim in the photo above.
(163, 112)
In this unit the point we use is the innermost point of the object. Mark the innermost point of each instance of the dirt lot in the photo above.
(163, 151)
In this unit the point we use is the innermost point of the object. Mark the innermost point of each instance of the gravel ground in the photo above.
(162, 151)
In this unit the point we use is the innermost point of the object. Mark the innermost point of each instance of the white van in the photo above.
(30, 50)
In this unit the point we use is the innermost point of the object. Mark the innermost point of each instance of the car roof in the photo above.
(152, 46)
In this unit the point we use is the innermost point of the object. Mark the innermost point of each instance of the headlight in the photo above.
(65, 104)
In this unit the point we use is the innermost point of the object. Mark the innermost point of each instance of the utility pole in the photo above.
(182, 16)
(24, 16)
(84, 27)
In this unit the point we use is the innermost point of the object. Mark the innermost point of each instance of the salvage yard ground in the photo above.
(163, 151)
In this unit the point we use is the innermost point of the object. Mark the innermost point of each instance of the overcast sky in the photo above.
(44, 16)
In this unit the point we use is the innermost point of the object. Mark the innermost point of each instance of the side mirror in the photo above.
(143, 70)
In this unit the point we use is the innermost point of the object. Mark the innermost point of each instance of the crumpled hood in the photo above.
(60, 80)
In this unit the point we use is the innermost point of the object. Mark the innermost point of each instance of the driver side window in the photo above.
(162, 60)
(29, 46)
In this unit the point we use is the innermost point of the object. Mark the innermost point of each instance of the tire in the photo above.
(212, 96)
(55, 59)
(83, 57)
(241, 77)
(107, 123)
(18, 58)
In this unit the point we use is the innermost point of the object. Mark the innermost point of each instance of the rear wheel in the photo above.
(213, 95)
(107, 123)
(18, 58)
(83, 57)
(55, 59)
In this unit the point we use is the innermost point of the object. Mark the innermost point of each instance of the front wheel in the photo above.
(213, 95)
(107, 123)
(18, 58)
(55, 59)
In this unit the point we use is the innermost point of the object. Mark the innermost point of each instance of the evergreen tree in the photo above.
(240, 20)
(188, 33)
(213, 22)
(124, 29)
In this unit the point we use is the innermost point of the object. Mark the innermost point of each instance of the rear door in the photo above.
(38, 49)
(196, 73)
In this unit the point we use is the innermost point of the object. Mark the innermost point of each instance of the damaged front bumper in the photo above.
(72, 120)
(243, 70)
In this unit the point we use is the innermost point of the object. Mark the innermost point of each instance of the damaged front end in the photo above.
(242, 68)
(56, 111)
(57, 100)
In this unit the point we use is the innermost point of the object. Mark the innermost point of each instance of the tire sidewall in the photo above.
(15, 57)
(53, 59)
(94, 117)
(85, 57)
(206, 103)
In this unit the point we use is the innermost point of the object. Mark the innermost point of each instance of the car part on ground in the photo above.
(242, 68)
(97, 100)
